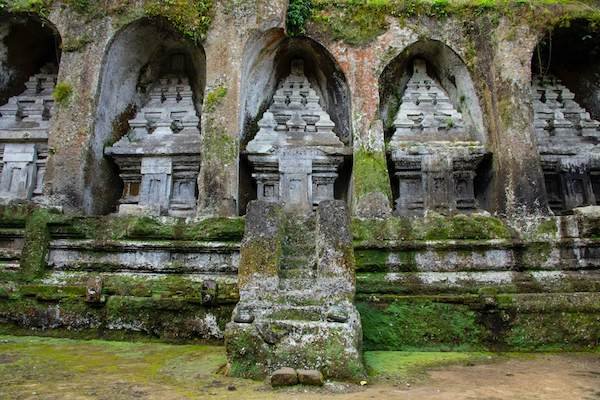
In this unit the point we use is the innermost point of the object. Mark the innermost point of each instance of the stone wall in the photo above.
(118, 276)
(526, 279)
(464, 282)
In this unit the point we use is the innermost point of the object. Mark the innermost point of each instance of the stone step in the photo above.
(297, 313)
(296, 262)
(303, 297)
(297, 284)
(294, 273)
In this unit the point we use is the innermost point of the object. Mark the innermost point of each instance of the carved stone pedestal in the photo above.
(159, 159)
(24, 123)
(435, 158)
(567, 141)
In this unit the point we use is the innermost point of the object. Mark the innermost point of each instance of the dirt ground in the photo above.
(44, 368)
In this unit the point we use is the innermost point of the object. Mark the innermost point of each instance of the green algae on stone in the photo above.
(432, 227)
(414, 324)
(370, 174)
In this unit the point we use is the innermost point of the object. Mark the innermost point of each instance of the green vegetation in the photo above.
(117, 228)
(113, 369)
(74, 44)
(214, 98)
(41, 7)
(410, 325)
(357, 22)
(192, 18)
(410, 365)
(299, 12)
(370, 174)
(432, 227)
(62, 93)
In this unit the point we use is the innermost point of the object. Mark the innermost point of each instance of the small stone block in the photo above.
(284, 377)
(93, 290)
(310, 377)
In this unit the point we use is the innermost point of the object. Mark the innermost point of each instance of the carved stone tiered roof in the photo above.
(168, 118)
(426, 112)
(567, 140)
(27, 115)
(296, 154)
(295, 118)
(562, 126)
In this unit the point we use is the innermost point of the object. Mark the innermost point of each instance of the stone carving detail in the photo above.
(567, 138)
(24, 123)
(159, 159)
(296, 154)
(434, 156)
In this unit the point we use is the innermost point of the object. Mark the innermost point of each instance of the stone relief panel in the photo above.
(159, 159)
(24, 123)
(567, 140)
(434, 157)
(296, 154)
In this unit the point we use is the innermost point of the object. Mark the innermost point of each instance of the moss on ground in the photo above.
(50, 366)
(393, 365)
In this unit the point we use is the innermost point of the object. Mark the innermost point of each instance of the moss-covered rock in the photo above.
(415, 324)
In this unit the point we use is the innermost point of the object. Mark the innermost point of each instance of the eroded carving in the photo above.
(567, 137)
(24, 123)
(159, 159)
(434, 156)
(296, 154)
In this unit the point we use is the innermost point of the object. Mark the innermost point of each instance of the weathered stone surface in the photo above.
(93, 292)
(160, 157)
(310, 377)
(296, 153)
(435, 157)
(566, 136)
(24, 125)
(297, 311)
(284, 377)
(374, 205)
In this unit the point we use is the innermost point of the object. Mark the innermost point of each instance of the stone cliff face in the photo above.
(237, 53)
(299, 178)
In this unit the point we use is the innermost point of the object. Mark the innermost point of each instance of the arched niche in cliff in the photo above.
(29, 60)
(29, 44)
(565, 65)
(434, 131)
(268, 59)
(138, 56)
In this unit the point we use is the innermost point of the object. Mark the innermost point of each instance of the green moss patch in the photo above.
(357, 22)
(115, 228)
(409, 325)
(370, 174)
(432, 227)
(395, 365)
